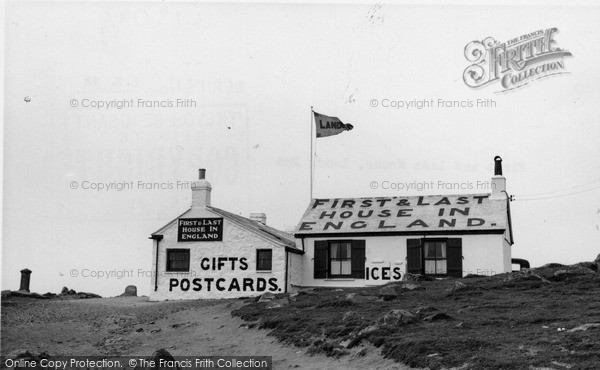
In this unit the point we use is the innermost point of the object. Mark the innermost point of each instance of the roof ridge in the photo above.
(271, 232)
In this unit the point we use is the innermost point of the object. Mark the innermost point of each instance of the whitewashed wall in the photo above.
(296, 262)
(237, 242)
(483, 254)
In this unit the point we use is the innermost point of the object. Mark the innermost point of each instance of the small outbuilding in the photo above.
(209, 253)
(355, 242)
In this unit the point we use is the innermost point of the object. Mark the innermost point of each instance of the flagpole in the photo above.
(312, 127)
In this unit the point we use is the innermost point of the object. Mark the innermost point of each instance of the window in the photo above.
(264, 259)
(340, 258)
(435, 257)
(178, 260)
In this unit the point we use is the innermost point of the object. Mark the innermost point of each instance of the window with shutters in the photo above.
(264, 259)
(434, 256)
(339, 259)
(178, 260)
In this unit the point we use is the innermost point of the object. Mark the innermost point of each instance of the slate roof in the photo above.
(411, 214)
(264, 230)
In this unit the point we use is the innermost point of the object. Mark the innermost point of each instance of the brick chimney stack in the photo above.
(201, 191)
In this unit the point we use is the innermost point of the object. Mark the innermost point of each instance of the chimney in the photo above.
(201, 191)
(259, 217)
(498, 181)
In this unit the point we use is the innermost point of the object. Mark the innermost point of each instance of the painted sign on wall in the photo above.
(200, 230)
(385, 273)
(231, 277)
(417, 213)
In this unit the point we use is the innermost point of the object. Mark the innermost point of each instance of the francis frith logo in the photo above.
(516, 62)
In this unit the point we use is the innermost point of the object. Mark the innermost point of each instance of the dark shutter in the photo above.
(413, 256)
(320, 260)
(358, 259)
(454, 257)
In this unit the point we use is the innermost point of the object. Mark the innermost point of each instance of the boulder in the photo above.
(524, 275)
(411, 286)
(265, 297)
(426, 310)
(84, 295)
(308, 291)
(458, 286)
(130, 291)
(339, 352)
(570, 271)
(437, 317)
(27, 355)
(346, 343)
(348, 314)
(277, 303)
(24, 294)
(589, 265)
(157, 356)
(368, 330)
(361, 352)
(416, 277)
(468, 308)
(19, 352)
(361, 298)
(388, 293)
(397, 317)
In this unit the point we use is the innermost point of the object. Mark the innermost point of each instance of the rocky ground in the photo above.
(134, 326)
(544, 318)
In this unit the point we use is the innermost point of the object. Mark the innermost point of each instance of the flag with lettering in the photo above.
(329, 126)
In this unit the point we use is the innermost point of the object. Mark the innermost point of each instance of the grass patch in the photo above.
(507, 321)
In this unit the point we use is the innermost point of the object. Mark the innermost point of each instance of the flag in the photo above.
(329, 126)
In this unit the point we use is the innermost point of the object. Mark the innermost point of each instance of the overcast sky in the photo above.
(254, 71)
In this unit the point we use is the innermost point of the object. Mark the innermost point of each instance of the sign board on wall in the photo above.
(200, 230)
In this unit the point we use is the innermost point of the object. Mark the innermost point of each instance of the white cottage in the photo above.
(209, 253)
(355, 242)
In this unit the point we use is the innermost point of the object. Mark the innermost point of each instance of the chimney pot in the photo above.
(259, 217)
(498, 180)
(201, 173)
(497, 166)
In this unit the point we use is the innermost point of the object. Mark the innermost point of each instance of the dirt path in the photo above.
(134, 326)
